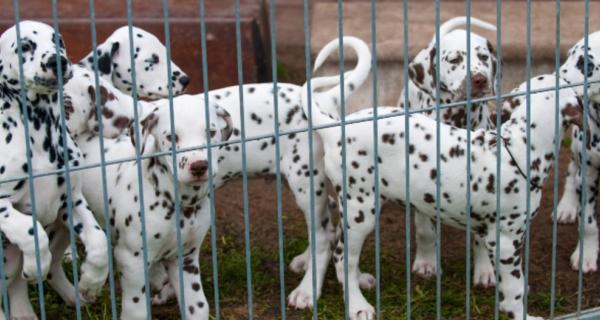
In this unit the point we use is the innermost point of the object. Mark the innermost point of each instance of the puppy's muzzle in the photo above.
(199, 168)
(479, 85)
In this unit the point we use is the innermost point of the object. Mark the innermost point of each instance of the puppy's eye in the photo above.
(456, 60)
(153, 59)
(213, 133)
(482, 57)
(25, 47)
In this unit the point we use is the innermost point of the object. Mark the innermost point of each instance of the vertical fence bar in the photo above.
(3, 281)
(138, 158)
(23, 96)
(376, 162)
(213, 224)
(407, 215)
(438, 227)
(498, 80)
(584, 166)
(528, 162)
(311, 163)
(178, 220)
(97, 102)
(315, 314)
(67, 164)
(557, 129)
(278, 186)
(468, 182)
(240, 71)
(344, 160)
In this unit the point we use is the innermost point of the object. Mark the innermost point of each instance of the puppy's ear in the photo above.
(495, 66)
(106, 53)
(421, 69)
(572, 113)
(104, 94)
(147, 125)
(224, 122)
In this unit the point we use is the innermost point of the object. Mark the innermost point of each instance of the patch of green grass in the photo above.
(266, 289)
(283, 72)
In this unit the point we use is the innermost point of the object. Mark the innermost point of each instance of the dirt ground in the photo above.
(264, 236)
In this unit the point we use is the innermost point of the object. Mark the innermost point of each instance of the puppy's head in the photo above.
(574, 69)
(40, 59)
(80, 105)
(189, 133)
(543, 103)
(150, 58)
(453, 67)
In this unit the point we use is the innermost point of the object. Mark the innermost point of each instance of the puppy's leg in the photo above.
(512, 284)
(590, 226)
(133, 297)
(159, 281)
(360, 223)
(196, 305)
(566, 211)
(94, 269)
(59, 241)
(18, 229)
(20, 308)
(484, 275)
(302, 296)
(425, 261)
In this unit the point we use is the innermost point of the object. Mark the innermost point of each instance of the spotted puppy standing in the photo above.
(453, 88)
(80, 112)
(114, 64)
(259, 120)
(40, 73)
(422, 152)
(573, 71)
(159, 200)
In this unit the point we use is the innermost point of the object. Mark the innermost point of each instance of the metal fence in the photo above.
(277, 134)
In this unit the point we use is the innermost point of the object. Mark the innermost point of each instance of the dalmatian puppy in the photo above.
(423, 174)
(453, 82)
(159, 200)
(47, 153)
(79, 96)
(114, 64)
(572, 71)
(259, 120)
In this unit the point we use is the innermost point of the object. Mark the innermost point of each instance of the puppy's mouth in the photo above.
(476, 93)
(50, 83)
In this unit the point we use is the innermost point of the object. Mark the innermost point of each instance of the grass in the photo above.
(266, 292)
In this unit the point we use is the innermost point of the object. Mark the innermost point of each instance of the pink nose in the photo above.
(479, 81)
(199, 168)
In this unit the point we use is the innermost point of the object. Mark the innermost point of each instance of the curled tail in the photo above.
(455, 22)
(355, 77)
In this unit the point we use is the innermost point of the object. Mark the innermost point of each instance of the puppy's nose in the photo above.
(198, 168)
(479, 81)
(184, 81)
(52, 64)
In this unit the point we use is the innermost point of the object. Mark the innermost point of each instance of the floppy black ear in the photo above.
(224, 122)
(106, 52)
(422, 68)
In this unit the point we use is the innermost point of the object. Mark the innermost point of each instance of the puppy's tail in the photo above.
(319, 116)
(354, 78)
(455, 22)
